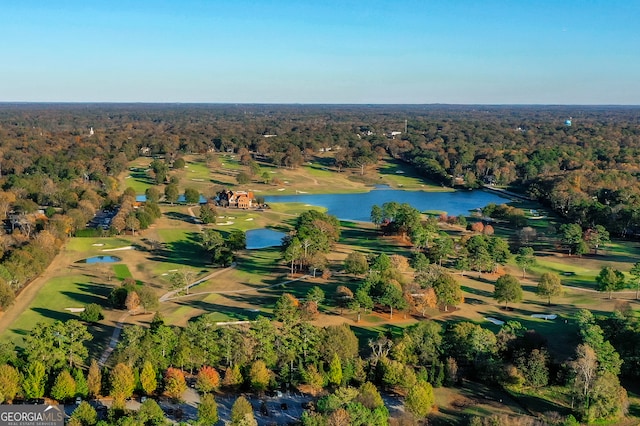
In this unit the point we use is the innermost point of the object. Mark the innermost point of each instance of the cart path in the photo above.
(113, 342)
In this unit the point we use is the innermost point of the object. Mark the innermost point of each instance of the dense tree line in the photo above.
(288, 351)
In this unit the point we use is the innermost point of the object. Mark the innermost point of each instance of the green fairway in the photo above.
(91, 246)
(403, 176)
(122, 271)
(73, 291)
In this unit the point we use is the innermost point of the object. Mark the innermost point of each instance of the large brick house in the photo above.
(239, 199)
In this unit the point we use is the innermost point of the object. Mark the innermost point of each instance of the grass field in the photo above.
(259, 277)
(72, 291)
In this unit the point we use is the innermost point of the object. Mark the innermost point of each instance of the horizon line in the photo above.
(310, 103)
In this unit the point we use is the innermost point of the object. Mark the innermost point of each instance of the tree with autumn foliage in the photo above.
(148, 380)
(122, 383)
(208, 379)
(174, 383)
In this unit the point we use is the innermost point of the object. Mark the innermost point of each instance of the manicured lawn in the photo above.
(403, 176)
(88, 245)
(122, 271)
(72, 291)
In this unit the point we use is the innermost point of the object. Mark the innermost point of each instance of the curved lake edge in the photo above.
(357, 206)
(105, 258)
(321, 190)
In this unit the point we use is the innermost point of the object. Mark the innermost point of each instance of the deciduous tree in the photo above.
(148, 378)
(94, 379)
(356, 263)
(507, 289)
(259, 375)
(549, 286)
(64, 386)
(207, 410)
(610, 280)
(85, 414)
(174, 383)
(525, 259)
(9, 382)
(242, 413)
(447, 290)
(420, 399)
(122, 383)
(35, 376)
(208, 379)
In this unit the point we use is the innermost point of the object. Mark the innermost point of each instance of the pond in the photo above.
(263, 238)
(100, 259)
(358, 206)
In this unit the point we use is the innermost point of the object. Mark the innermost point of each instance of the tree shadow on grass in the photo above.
(180, 216)
(55, 315)
(89, 293)
(184, 252)
(477, 292)
(233, 312)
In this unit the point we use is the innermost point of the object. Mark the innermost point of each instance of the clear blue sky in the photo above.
(321, 51)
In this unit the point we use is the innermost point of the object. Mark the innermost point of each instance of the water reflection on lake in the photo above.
(263, 238)
(100, 259)
(358, 206)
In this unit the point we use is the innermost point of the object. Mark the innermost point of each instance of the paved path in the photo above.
(113, 342)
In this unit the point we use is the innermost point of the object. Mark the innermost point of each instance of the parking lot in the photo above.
(277, 410)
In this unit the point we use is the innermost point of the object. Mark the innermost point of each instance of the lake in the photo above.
(358, 206)
(100, 259)
(263, 238)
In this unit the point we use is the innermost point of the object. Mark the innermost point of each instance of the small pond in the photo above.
(263, 238)
(100, 259)
(358, 206)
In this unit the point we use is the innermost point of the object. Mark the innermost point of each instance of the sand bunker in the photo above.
(225, 223)
(74, 310)
(494, 320)
(545, 316)
(120, 248)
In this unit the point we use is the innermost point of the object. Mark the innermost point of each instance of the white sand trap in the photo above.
(97, 245)
(225, 223)
(74, 310)
(197, 180)
(221, 217)
(230, 217)
(248, 219)
(280, 189)
(302, 192)
(164, 275)
(286, 181)
(308, 205)
(173, 270)
(272, 172)
(545, 316)
(120, 248)
(494, 320)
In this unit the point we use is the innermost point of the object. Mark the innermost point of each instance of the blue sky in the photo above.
(322, 51)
